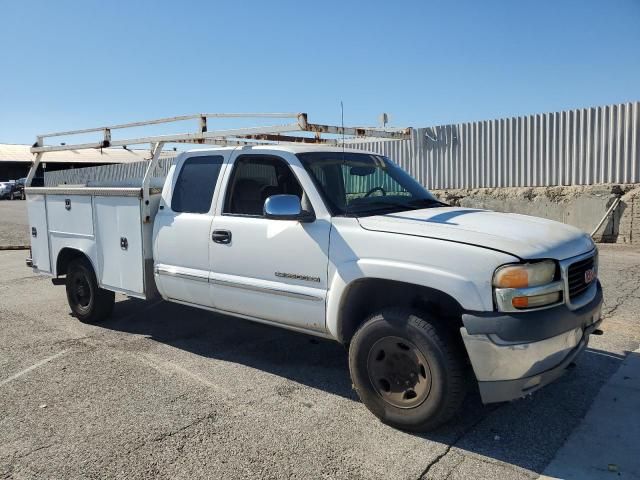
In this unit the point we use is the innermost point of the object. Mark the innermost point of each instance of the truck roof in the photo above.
(285, 148)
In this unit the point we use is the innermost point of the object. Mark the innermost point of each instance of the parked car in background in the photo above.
(15, 189)
(6, 190)
(18, 189)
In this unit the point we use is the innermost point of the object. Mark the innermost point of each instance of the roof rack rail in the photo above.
(239, 136)
(295, 132)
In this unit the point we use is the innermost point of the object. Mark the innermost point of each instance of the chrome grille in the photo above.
(576, 277)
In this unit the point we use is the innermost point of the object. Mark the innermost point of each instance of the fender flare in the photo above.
(464, 291)
(80, 251)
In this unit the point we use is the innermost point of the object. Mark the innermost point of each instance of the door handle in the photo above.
(221, 236)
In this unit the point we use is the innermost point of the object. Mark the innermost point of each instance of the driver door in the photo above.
(268, 269)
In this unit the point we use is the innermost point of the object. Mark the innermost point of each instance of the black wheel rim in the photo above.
(399, 372)
(81, 290)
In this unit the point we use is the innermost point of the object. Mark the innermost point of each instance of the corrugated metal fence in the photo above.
(576, 147)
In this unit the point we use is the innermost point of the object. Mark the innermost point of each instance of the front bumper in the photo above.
(516, 353)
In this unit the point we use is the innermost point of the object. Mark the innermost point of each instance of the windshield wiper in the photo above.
(427, 202)
(383, 207)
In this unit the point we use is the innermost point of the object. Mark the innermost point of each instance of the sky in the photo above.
(78, 64)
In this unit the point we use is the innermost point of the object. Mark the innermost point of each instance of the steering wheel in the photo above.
(374, 189)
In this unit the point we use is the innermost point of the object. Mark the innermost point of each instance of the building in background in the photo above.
(15, 160)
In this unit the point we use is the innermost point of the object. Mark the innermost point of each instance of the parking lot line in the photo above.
(171, 368)
(32, 367)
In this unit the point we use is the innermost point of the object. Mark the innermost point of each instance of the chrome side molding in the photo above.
(274, 291)
(173, 272)
(179, 273)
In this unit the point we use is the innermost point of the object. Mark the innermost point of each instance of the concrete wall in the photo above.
(580, 206)
(629, 226)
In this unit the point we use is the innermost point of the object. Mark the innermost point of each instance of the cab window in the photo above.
(254, 179)
(193, 191)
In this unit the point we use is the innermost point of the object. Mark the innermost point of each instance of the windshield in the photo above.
(360, 184)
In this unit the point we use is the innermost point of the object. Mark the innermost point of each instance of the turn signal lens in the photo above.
(526, 275)
(520, 302)
(536, 300)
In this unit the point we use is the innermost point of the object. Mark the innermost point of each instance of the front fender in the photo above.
(462, 289)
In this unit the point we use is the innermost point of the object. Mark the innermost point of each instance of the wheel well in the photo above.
(366, 296)
(65, 257)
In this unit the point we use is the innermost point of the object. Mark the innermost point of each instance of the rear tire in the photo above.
(408, 369)
(88, 302)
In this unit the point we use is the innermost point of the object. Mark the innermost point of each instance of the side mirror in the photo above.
(286, 207)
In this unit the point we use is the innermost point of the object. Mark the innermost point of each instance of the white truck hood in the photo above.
(520, 235)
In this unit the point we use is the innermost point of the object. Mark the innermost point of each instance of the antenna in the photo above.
(342, 125)
(383, 119)
(342, 122)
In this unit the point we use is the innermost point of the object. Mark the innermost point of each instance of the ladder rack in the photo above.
(295, 132)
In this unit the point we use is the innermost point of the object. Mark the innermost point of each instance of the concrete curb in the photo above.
(14, 247)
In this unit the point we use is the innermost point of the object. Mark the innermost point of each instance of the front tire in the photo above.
(407, 369)
(88, 302)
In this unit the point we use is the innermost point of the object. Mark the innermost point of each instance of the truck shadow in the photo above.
(525, 433)
(305, 359)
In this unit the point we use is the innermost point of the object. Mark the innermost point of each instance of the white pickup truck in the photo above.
(341, 244)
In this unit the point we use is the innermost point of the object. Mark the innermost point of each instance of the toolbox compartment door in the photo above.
(70, 215)
(37, 211)
(118, 229)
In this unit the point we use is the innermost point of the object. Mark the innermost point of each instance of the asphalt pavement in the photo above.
(14, 225)
(606, 441)
(167, 391)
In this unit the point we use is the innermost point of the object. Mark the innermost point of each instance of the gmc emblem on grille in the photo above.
(589, 275)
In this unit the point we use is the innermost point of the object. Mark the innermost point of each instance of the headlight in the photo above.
(525, 275)
(527, 286)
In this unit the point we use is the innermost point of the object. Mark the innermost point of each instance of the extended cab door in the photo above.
(269, 269)
(182, 227)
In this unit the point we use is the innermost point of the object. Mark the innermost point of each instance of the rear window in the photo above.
(196, 183)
